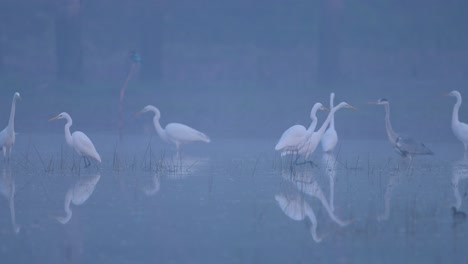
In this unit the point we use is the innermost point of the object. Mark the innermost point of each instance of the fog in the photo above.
(241, 72)
(240, 68)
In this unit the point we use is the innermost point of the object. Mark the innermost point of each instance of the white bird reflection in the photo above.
(296, 208)
(307, 184)
(154, 187)
(459, 172)
(7, 189)
(329, 162)
(78, 194)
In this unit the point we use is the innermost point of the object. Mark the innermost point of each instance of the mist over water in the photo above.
(241, 72)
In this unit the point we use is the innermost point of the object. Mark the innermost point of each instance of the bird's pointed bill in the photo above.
(53, 118)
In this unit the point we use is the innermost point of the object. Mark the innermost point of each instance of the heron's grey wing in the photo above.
(407, 145)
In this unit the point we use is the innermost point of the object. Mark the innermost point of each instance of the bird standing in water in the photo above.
(404, 145)
(460, 129)
(178, 134)
(7, 136)
(79, 141)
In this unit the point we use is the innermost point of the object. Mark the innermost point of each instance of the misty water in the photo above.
(218, 203)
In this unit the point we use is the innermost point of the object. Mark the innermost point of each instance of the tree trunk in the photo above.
(329, 41)
(152, 41)
(68, 48)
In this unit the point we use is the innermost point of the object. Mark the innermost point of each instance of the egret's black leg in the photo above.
(87, 162)
(312, 164)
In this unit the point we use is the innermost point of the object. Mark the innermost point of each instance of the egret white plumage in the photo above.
(79, 141)
(7, 136)
(460, 129)
(178, 134)
(330, 138)
(296, 135)
(315, 138)
(405, 145)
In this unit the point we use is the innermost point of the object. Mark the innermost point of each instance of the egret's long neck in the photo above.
(159, 128)
(456, 109)
(313, 125)
(391, 134)
(68, 136)
(332, 122)
(325, 124)
(11, 122)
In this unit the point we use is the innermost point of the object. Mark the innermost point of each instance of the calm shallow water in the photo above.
(218, 205)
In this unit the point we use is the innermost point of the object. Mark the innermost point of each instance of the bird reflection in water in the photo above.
(78, 194)
(459, 172)
(404, 168)
(307, 184)
(296, 208)
(329, 162)
(7, 189)
(154, 187)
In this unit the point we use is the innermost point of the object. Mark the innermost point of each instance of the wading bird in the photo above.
(313, 141)
(7, 136)
(295, 136)
(175, 133)
(460, 129)
(330, 138)
(405, 146)
(79, 141)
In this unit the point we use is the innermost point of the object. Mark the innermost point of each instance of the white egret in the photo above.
(315, 138)
(295, 136)
(405, 146)
(460, 129)
(7, 136)
(330, 138)
(78, 194)
(79, 141)
(297, 209)
(175, 133)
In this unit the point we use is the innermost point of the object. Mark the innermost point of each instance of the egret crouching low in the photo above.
(178, 134)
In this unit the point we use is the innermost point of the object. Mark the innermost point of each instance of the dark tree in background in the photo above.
(329, 40)
(152, 40)
(68, 46)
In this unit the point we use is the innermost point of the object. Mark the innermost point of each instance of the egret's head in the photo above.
(381, 101)
(345, 105)
(60, 116)
(17, 96)
(149, 108)
(454, 93)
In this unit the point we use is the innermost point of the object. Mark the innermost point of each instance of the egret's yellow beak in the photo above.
(351, 107)
(445, 94)
(138, 113)
(53, 118)
(325, 109)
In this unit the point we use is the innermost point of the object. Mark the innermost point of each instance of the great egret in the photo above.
(330, 138)
(78, 194)
(7, 136)
(315, 138)
(297, 209)
(460, 129)
(403, 144)
(79, 141)
(296, 135)
(175, 133)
